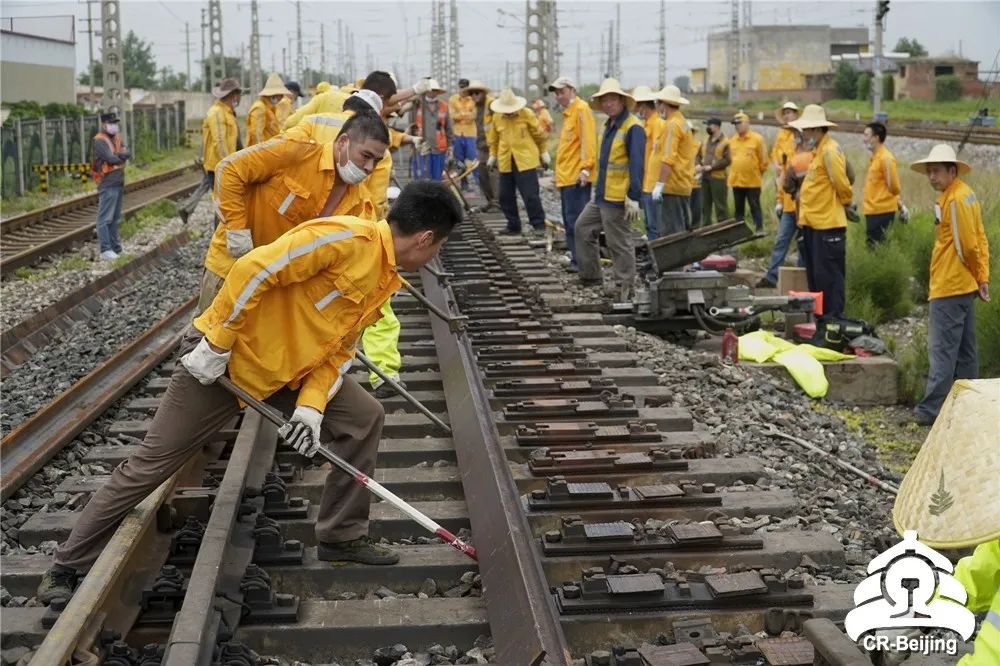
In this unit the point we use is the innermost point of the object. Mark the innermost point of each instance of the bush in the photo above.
(845, 82)
(864, 87)
(888, 87)
(912, 365)
(878, 279)
(947, 88)
(988, 314)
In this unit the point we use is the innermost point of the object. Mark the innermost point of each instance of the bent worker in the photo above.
(960, 273)
(262, 119)
(517, 149)
(332, 101)
(544, 117)
(676, 164)
(576, 158)
(110, 155)
(284, 328)
(220, 135)
(746, 171)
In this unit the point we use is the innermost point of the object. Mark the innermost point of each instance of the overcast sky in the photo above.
(395, 35)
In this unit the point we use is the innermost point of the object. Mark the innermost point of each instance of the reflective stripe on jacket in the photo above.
(516, 136)
(577, 144)
(979, 574)
(826, 189)
(292, 311)
(749, 160)
(881, 193)
(262, 122)
(620, 166)
(219, 132)
(656, 132)
(463, 115)
(781, 152)
(679, 149)
(960, 260)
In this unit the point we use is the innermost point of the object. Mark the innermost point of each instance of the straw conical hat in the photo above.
(942, 152)
(949, 496)
(435, 86)
(274, 86)
(671, 95)
(812, 116)
(508, 102)
(779, 114)
(643, 94)
(476, 85)
(609, 86)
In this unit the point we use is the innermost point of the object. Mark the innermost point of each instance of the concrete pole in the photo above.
(298, 37)
(112, 61)
(733, 53)
(187, 50)
(618, 41)
(663, 43)
(877, 64)
(255, 73)
(90, 46)
(205, 83)
(218, 55)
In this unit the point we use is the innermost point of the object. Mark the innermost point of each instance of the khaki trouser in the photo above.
(617, 235)
(188, 417)
(211, 284)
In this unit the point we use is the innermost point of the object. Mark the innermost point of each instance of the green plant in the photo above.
(947, 88)
(122, 260)
(845, 81)
(26, 273)
(863, 87)
(71, 263)
(988, 314)
(147, 217)
(912, 365)
(878, 279)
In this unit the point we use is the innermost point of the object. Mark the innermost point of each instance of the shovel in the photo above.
(275, 417)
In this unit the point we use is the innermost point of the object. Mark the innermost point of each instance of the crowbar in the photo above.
(402, 391)
(278, 419)
(456, 324)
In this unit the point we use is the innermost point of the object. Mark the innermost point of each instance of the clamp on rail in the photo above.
(456, 324)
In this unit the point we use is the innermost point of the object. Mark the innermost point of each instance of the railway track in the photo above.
(604, 519)
(28, 238)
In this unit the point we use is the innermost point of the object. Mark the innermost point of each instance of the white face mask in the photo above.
(275, 99)
(235, 103)
(350, 173)
(111, 128)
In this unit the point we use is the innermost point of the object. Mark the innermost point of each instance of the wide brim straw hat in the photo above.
(274, 86)
(812, 116)
(949, 495)
(942, 152)
(226, 87)
(436, 87)
(475, 85)
(643, 94)
(779, 114)
(672, 95)
(508, 102)
(609, 86)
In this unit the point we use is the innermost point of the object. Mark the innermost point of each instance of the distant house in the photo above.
(38, 59)
(915, 77)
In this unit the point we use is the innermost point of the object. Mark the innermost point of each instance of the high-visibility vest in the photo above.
(442, 119)
(99, 172)
(616, 176)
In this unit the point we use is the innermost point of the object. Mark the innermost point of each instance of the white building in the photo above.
(38, 59)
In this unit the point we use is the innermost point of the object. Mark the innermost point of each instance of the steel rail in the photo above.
(523, 621)
(33, 443)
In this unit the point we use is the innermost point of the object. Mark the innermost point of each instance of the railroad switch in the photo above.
(504, 324)
(536, 367)
(575, 536)
(584, 434)
(261, 604)
(490, 338)
(270, 547)
(546, 462)
(161, 601)
(571, 408)
(528, 352)
(277, 503)
(185, 543)
(560, 493)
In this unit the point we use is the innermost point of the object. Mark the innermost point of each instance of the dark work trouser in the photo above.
(715, 195)
(876, 226)
(951, 345)
(695, 206)
(573, 199)
(826, 266)
(676, 214)
(525, 182)
(751, 195)
(487, 177)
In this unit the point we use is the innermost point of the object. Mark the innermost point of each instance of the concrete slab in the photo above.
(862, 381)
(21, 575)
(22, 627)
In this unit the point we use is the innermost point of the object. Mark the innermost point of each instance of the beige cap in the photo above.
(812, 116)
(562, 82)
(435, 86)
(508, 102)
(671, 95)
(949, 494)
(780, 113)
(226, 87)
(611, 86)
(941, 153)
(741, 118)
(643, 94)
(475, 85)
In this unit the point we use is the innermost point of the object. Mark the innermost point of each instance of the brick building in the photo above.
(915, 76)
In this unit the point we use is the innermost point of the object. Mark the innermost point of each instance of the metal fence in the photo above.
(34, 141)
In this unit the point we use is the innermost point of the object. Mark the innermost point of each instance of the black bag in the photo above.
(836, 332)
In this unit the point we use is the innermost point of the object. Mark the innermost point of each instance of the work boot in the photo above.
(184, 214)
(510, 232)
(362, 550)
(764, 283)
(383, 390)
(57, 583)
(585, 282)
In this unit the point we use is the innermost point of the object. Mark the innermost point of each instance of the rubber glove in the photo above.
(491, 162)
(204, 364)
(546, 160)
(778, 210)
(658, 192)
(851, 210)
(238, 242)
(632, 210)
(583, 178)
(302, 430)
(425, 148)
(422, 86)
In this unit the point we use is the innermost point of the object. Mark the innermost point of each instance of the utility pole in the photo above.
(733, 54)
(255, 73)
(284, 63)
(218, 56)
(663, 43)
(187, 50)
(881, 9)
(90, 47)
(298, 37)
(579, 78)
(453, 46)
(112, 62)
(205, 84)
(746, 38)
(618, 41)
(537, 26)
(340, 48)
(603, 63)
(611, 49)
(506, 80)
(322, 51)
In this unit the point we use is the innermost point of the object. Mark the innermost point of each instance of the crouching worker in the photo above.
(284, 328)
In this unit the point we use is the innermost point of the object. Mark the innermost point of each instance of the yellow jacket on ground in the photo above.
(332, 101)
(656, 132)
(826, 189)
(749, 160)
(219, 132)
(783, 149)
(960, 260)
(881, 193)
(262, 122)
(517, 136)
(463, 115)
(292, 311)
(679, 149)
(979, 574)
(577, 143)
(274, 186)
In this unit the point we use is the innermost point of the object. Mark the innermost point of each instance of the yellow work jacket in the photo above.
(718, 155)
(262, 122)
(516, 136)
(979, 574)
(219, 133)
(881, 193)
(577, 144)
(826, 189)
(678, 152)
(783, 149)
(378, 182)
(274, 186)
(292, 311)
(656, 132)
(332, 101)
(960, 260)
(282, 110)
(463, 115)
(749, 160)
(695, 160)
(545, 120)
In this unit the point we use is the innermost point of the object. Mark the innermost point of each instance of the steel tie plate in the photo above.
(660, 491)
(795, 651)
(678, 654)
(608, 531)
(737, 584)
(645, 583)
(694, 532)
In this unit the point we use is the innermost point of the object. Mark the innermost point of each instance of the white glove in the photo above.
(416, 141)
(204, 364)
(238, 242)
(491, 162)
(546, 160)
(424, 147)
(904, 214)
(422, 86)
(302, 430)
(778, 210)
(583, 178)
(632, 210)
(658, 192)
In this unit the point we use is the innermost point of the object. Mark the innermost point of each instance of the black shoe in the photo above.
(764, 283)
(591, 283)
(57, 583)
(489, 208)
(509, 232)
(923, 419)
(385, 391)
(362, 550)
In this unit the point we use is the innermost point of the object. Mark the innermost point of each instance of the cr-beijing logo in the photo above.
(910, 585)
